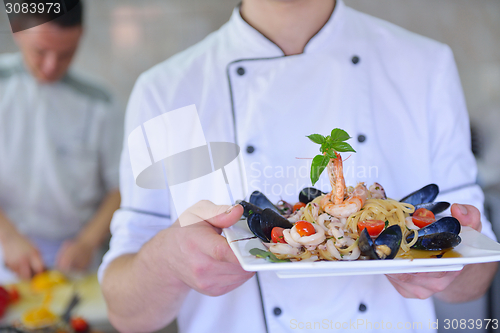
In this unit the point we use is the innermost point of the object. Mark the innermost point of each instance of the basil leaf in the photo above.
(339, 135)
(386, 224)
(342, 147)
(331, 154)
(259, 253)
(266, 255)
(319, 164)
(317, 138)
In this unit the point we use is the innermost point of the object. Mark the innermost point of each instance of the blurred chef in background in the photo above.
(60, 142)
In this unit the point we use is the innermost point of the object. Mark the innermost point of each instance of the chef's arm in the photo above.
(144, 291)
(97, 229)
(472, 283)
(20, 255)
(138, 298)
(474, 280)
(77, 254)
(7, 229)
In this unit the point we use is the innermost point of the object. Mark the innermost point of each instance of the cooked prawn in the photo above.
(350, 206)
(336, 174)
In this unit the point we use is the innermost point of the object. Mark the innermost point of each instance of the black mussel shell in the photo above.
(436, 242)
(249, 208)
(260, 200)
(425, 194)
(445, 224)
(270, 219)
(253, 222)
(261, 224)
(365, 244)
(439, 235)
(309, 194)
(387, 243)
(435, 207)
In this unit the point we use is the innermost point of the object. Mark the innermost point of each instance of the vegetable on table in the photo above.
(79, 325)
(4, 301)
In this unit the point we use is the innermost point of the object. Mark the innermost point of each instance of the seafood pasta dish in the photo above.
(348, 223)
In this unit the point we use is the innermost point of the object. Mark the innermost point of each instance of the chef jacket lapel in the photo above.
(322, 87)
(270, 93)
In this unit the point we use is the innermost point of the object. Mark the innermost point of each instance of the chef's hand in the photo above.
(197, 254)
(21, 256)
(74, 255)
(424, 285)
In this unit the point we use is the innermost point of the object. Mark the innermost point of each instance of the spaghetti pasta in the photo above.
(342, 234)
(392, 211)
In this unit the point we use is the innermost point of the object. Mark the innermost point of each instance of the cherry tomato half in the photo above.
(14, 295)
(305, 228)
(277, 235)
(374, 227)
(4, 300)
(423, 217)
(79, 325)
(298, 206)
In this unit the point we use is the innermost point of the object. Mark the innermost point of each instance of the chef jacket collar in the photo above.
(251, 43)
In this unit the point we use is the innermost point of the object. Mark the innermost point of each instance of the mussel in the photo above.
(258, 199)
(424, 197)
(440, 235)
(308, 194)
(249, 208)
(261, 224)
(435, 207)
(426, 194)
(385, 246)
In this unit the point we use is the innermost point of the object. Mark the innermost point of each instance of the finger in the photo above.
(64, 262)
(413, 277)
(36, 263)
(24, 270)
(221, 284)
(401, 277)
(219, 216)
(410, 291)
(81, 264)
(437, 275)
(216, 247)
(230, 287)
(62, 249)
(467, 215)
(434, 282)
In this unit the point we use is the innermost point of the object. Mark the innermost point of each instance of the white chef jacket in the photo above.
(398, 94)
(59, 153)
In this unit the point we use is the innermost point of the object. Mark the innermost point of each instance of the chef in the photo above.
(276, 72)
(59, 153)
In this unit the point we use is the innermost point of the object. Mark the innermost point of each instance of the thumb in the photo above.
(467, 215)
(219, 216)
(36, 262)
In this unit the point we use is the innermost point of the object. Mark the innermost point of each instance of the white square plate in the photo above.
(474, 248)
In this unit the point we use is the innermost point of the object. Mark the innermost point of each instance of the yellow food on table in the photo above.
(41, 316)
(38, 318)
(47, 280)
